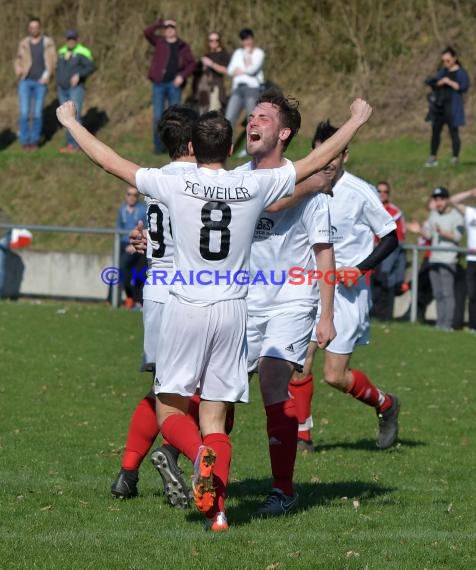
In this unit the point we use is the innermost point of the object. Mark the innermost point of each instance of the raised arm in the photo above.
(457, 199)
(96, 150)
(316, 160)
(316, 184)
(149, 32)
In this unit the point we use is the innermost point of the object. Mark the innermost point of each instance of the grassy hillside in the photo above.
(323, 52)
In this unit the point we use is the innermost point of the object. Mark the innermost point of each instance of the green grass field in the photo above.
(69, 383)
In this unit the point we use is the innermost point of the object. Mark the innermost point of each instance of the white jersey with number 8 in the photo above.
(213, 215)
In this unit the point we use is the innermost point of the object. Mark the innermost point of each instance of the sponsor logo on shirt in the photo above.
(264, 229)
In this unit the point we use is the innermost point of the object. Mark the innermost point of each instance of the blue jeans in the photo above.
(243, 97)
(75, 94)
(31, 98)
(161, 92)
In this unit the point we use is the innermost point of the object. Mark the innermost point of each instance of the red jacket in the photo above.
(160, 58)
(397, 215)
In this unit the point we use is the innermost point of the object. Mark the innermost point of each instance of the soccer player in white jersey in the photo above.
(356, 216)
(175, 129)
(281, 315)
(202, 335)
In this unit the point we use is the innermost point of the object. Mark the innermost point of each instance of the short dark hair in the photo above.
(212, 137)
(383, 183)
(323, 132)
(289, 114)
(175, 129)
(246, 33)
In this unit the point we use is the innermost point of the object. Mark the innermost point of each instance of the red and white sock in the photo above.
(362, 389)
(282, 425)
(142, 432)
(221, 445)
(301, 392)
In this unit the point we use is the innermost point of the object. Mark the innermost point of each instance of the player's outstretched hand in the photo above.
(66, 113)
(138, 238)
(361, 111)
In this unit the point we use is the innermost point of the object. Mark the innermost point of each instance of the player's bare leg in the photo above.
(282, 423)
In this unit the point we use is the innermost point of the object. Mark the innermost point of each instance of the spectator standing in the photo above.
(390, 273)
(128, 216)
(246, 69)
(469, 213)
(34, 65)
(210, 90)
(446, 104)
(445, 229)
(75, 65)
(172, 62)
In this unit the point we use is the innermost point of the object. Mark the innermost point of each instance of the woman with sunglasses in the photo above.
(210, 87)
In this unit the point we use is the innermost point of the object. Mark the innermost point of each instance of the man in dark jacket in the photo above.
(75, 65)
(172, 62)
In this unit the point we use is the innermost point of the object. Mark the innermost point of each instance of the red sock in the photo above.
(362, 389)
(194, 408)
(182, 432)
(142, 432)
(221, 445)
(230, 419)
(282, 427)
(301, 392)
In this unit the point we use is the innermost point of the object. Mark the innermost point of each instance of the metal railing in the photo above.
(414, 248)
(116, 248)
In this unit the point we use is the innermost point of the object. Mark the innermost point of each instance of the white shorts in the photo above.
(351, 318)
(283, 335)
(204, 346)
(152, 312)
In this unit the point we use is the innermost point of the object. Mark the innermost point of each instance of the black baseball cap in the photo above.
(71, 34)
(440, 192)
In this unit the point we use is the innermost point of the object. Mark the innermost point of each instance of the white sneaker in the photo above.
(431, 162)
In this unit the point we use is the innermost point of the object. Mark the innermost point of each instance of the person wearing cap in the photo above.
(469, 213)
(445, 228)
(34, 65)
(246, 69)
(172, 62)
(75, 65)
